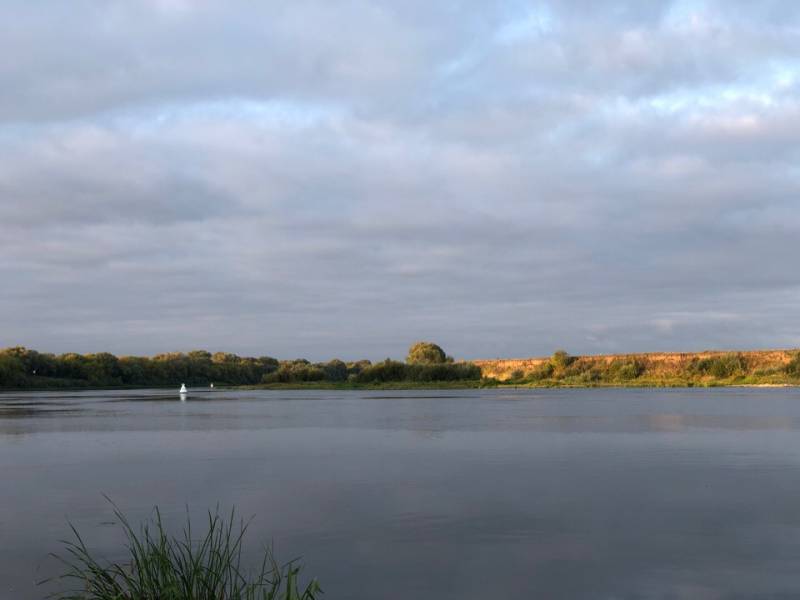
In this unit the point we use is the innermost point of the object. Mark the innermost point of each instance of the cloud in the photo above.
(314, 179)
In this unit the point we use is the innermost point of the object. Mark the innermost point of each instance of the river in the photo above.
(475, 494)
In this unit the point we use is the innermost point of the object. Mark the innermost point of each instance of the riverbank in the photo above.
(433, 386)
(657, 369)
(389, 385)
(488, 384)
(23, 369)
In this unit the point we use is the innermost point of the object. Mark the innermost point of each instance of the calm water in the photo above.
(462, 495)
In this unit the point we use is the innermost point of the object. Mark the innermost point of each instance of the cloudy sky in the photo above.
(318, 179)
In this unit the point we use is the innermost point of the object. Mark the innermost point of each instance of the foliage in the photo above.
(462, 371)
(719, 367)
(707, 369)
(302, 371)
(12, 371)
(626, 369)
(20, 368)
(793, 367)
(390, 371)
(295, 371)
(426, 353)
(335, 370)
(543, 371)
(163, 567)
(561, 360)
(576, 367)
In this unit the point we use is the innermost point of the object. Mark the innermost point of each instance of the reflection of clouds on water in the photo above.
(565, 411)
(429, 434)
(661, 423)
(555, 494)
(665, 422)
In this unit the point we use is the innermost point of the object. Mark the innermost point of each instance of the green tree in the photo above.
(134, 370)
(388, 370)
(12, 370)
(720, 367)
(793, 367)
(268, 364)
(561, 359)
(103, 369)
(335, 370)
(426, 353)
(72, 366)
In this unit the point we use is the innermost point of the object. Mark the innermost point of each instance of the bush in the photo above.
(793, 368)
(382, 372)
(12, 371)
(163, 567)
(296, 371)
(393, 371)
(720, 367)
(268, 363)
(561, 360)
(445, 372)
(625, 370)
(576, 367)
(543, 371)
(589, 376)
(354, 368)
(335, 370)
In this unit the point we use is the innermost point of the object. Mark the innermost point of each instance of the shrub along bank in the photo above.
(426, 365)
(22, 368)
(781, 367)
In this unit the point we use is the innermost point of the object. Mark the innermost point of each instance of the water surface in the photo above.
(429, 494)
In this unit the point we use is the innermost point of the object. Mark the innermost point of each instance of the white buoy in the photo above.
(212, 386)
(183, 388)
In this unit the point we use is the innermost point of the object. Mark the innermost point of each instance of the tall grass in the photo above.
(164, 567)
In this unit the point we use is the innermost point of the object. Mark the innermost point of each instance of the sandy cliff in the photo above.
(659, 364)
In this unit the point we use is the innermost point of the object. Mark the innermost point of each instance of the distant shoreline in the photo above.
(426, 367)
(710, 368)
(432, 386)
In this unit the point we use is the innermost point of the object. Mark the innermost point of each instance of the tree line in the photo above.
(25, 368)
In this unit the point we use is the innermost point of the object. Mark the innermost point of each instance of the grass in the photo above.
(164, 567)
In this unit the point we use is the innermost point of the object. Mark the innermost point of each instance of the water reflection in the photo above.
(475, 494)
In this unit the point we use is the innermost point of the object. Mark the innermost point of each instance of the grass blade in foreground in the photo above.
(164, 567)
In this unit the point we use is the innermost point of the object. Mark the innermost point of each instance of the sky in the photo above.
(340, 179)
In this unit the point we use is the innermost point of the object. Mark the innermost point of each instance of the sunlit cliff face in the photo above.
(318, 179)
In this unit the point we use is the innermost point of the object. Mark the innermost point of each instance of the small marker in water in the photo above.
(183, 388)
